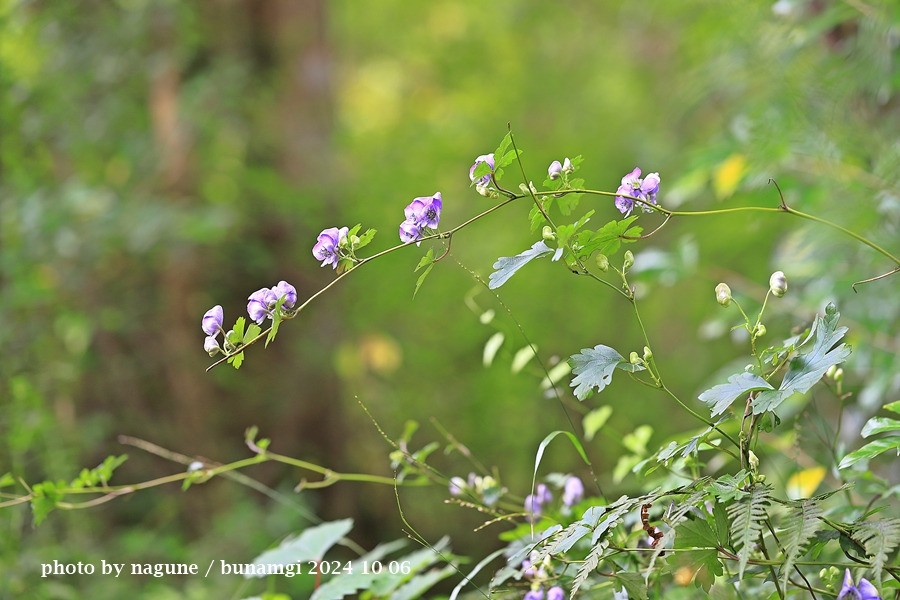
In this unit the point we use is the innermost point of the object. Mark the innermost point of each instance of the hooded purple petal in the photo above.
(212, 320)
(286, 290)
(484, 158)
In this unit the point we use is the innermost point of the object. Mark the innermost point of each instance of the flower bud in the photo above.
(634, 359)
(603, 262)
(457, 485)
(760, 330)
(547, 233)
(629, 260)
(211, 345)
(831, 371)
(483, 190)
(723, 294)
(778, 284)
(554, 170)
(754, 462)
(286, 290)
(839, 375)
(647, 354)
(567, 166)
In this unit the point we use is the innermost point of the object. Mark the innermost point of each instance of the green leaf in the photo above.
(747, 517)
(595, 420)
(607, 240)
(701, 559)
(556, 373)
(506, 266)
(720, 397)
(633, 583)
(893, 407)
(420, 584)
(721, 517)
(365, 239)
(491, 347)
(483, 563)
(236, 360)
(871, 450)
(426, 260)
(589, 565)
(594, 367)
(505, 144)
(879, 425)
(807, 369)
(802, 525)
(421, 279)
(311, 544)
(254, 329)
(522, 357)
(7, 480)
(879, 538)
(45, 497)
(730, 487)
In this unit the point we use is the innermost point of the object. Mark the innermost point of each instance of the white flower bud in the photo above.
(778, 284)
(723, 294)
(567, 166)
(629, 260)
(548, 234)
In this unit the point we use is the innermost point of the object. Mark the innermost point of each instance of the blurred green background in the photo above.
(160, 157)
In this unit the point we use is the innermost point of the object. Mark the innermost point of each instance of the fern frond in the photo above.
(589, 565)
(879, 538)
(747, 516)
(803, 523)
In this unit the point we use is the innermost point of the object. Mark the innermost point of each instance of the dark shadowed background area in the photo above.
(160, 157)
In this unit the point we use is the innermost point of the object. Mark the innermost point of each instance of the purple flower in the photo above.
(533, 508)
(573, 491)
(534, 595)
(261, 303)
(212, 321)
(326, 248)
(486, 179)
(286, 290)
(543, 494)
(425, 211)
(457, 485)
(556, 593)
(554, 169)
(409, 232)
(644, 189)
(864, 591)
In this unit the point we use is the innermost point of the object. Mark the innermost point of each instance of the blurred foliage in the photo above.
(160, 157)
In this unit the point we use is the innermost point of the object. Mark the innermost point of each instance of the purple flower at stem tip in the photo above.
(485, 179)
(864, 591)
(534, 595)
(212, 321)
(326, 248)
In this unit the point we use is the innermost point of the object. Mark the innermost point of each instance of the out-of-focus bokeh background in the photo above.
(160, 157)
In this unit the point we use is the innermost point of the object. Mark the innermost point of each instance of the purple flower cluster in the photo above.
(573, 491)
(422, 214)
(327, 248)
(864, 591)
(212, 326)
(263, 301)
(632, 185)
(534, 503)
(556, 168)
(554, 593)
(486, 488)
(261, 304)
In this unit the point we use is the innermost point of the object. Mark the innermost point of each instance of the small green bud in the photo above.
(548, 234)
(647, 354)
(830, 309)
(760, 330)
(723, 294)
(354, 240)
(761, 478)
(603, 262)
(778, 284)
(839, 375)
(629, 260)
(634, 358)
(831, 371)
